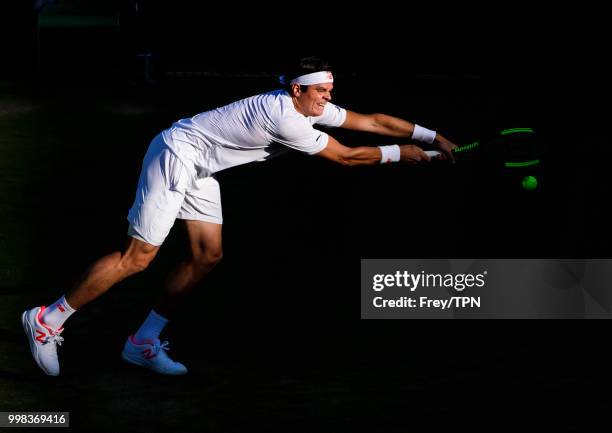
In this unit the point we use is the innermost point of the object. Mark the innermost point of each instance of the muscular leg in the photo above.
(206, 251)
(109, 270)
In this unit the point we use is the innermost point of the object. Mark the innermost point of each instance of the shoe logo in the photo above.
(41, 337)
(61, 308)
(148, 354)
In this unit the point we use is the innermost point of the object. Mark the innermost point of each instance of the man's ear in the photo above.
(295, 90)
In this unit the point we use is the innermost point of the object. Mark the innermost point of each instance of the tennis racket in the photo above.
(515, 151)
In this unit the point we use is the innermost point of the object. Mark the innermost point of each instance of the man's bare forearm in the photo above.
(361, 155)
(392, 126)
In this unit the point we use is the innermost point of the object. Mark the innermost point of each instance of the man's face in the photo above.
(313, 100)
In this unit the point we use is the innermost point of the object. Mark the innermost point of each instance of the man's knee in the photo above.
(214, 256)
(135, 265)
(210, 257)
(137, 259)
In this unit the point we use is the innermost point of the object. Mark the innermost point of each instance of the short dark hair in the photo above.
(306, 65)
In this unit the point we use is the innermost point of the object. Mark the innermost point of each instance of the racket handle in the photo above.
(433, 153)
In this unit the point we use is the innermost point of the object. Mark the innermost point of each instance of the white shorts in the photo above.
(167, 190)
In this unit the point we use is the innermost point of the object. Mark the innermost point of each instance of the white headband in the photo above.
(309, 79)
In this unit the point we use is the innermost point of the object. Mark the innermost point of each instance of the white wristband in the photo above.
(423, 134)
(390, 153)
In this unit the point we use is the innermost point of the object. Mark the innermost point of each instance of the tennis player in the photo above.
(178, 181)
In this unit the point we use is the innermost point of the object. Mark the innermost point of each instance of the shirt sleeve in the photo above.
(333, 116)
(299, 134)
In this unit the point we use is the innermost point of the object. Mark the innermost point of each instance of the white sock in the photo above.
(57, 313)
(151, 328)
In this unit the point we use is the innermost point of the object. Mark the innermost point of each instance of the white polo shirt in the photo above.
(251, 129)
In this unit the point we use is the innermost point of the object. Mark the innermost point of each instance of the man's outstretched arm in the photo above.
(377, 123)
(391, 126)
(365, 155)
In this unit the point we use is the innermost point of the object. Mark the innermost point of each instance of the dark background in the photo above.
(273, 338)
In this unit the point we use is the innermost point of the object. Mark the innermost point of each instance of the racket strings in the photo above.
(467, 150)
